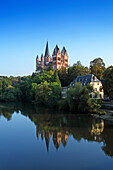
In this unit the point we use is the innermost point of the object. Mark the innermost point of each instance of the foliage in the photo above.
(33, 91)
(48, 93)
(77, 70)
(49, 67)
(78, 98)
(55, 95)
(108, 81)
(63, 105)
(97, 67)
(56, 77)
(43, 92)
(42, 77)
(64, 77)
(10, 94)
(45, 88)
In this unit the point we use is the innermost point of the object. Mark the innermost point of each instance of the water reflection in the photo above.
(57, 136)
(59, 126)
(61, 134)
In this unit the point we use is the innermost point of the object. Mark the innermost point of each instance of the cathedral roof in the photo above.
(64, 51)
(56, 50)
(47, 50)
(42, 56)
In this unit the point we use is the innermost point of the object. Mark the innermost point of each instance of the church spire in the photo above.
(47, 50)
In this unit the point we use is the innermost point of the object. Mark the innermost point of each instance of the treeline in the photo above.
(44, 88)
(97, 67)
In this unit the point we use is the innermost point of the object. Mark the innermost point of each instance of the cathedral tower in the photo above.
(56, 58)
(64, 58)
(37, 60)
(47, 57)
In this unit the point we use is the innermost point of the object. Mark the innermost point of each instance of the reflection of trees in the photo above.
(58, 126)
(6, 111)
(108, 141)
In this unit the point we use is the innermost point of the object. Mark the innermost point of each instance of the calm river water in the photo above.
(39, 138)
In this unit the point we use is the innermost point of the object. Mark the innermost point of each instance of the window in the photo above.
(95, 89)
(93, 77)
(100, 89)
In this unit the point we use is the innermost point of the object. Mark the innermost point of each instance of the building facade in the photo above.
(58, 60)
(85, 80)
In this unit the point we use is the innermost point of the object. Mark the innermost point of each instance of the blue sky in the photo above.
(84, 27)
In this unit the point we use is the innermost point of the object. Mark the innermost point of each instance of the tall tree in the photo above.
(56, 77)
(77, 70)
(108, 81)
(97, 67)
(64, 77)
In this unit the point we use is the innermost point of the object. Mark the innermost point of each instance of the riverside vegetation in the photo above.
(44, 88)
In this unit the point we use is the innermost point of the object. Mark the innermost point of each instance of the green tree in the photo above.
(55, 95)
(77, 70)
(0, 84)
(25, 88)
(56, 77)
(33, 91)
(43, 92)
(49, 67)
(108, 81)
(78, 98)
(64, 77)
(97, 67)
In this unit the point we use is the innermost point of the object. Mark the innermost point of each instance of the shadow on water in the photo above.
(60, 125)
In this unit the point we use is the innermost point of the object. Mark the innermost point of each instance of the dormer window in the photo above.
(94, 78)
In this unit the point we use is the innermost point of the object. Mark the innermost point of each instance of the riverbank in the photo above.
(108, 116)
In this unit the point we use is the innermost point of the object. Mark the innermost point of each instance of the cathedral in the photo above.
(58, 59)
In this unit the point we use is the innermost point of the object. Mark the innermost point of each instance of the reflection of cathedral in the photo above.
(60, 127)
(61, 136)
(58, 137)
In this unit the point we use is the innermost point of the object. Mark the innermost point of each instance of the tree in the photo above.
(64, 77)
(43, 92)
(55, 95)
(97, 67)
(78, 98)
(49, 67)
(25, 88)
(77, 70)
(0, 84)
(108, 81)
(33, 91)
(56, 77)
(73, 96)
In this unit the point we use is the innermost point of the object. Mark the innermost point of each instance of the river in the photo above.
(40, 138)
